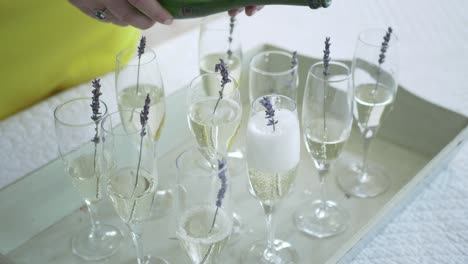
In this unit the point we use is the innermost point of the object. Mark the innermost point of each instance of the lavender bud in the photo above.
(384, 47)
(144, 115)
(222, 178)
(95, 99)
(326, 57)
(141, 47)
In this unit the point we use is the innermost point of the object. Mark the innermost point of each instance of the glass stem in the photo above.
(323, 169)
(137, 242)
(365, 153)
(95, 227)
(269, 253)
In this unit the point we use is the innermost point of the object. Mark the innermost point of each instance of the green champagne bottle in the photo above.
(199, 8)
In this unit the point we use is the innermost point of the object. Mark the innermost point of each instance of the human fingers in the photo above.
(153, 10)
(97, 12)
(251, 10)
(127, 13)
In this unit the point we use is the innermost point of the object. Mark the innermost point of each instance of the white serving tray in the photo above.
(40, 212)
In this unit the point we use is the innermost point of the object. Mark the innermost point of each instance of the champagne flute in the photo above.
(326, 123)
(271, 172)
(374, 73)
(76, 133)
(273, 72)
(135, 78)
(220, 39)
(214, 130)
(204, 221)
(129, 157)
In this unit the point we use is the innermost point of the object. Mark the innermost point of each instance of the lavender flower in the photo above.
(96, 116)
(144, 115)
(141, 50)
(141, 47)
(222, 178)
(269, 112)
(293, 64)
(223, 70)
(326, 57)
(231, 31)
(384, 46)
(95, 99)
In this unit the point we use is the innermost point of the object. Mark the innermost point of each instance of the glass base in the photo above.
(284, 254)
(313, 220)
(96, 248)
(353, 183)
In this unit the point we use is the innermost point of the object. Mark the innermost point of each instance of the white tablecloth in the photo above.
(434, 65)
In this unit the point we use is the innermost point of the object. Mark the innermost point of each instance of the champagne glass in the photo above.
(204, 221)
(214, 129)
(220, 39)
(76, 133)
(135, 78)
(375, 87)
(326, 123)
(273, 72)
(271, 172)
(129, 157)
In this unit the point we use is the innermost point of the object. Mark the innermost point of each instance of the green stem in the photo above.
(208, 252)
(136, 181)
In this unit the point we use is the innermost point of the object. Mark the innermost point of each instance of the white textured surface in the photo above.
(434, 62)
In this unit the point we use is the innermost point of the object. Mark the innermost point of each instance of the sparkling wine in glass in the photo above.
(326, 123)
(214, 130)
(76, 136)
(135, 78)
(273, 155)
(374, 77)
(129, 159)
(204, 220)
(273, 72)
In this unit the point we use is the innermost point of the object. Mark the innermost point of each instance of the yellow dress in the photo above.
(49, 46)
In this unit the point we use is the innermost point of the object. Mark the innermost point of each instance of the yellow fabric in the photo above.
(49, 46)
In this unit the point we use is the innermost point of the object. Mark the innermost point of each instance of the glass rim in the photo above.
(317, 64)
(275, 95)
(375, 29)
(276, 73)
(129, 63)
(57, 119)
(215, 74)
(195, 148)
(112, 132)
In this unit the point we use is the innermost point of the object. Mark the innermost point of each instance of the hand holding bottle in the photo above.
(141, 14)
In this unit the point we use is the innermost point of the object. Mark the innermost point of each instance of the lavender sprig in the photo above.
(96, 116)
(219, 200)
(269, 112)
(293, 65)
(384, 47)
(223, 70)
(143, 121)
(326, 57)
(231, 31)
(141, 51)
(383, 50)
(326, 73)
